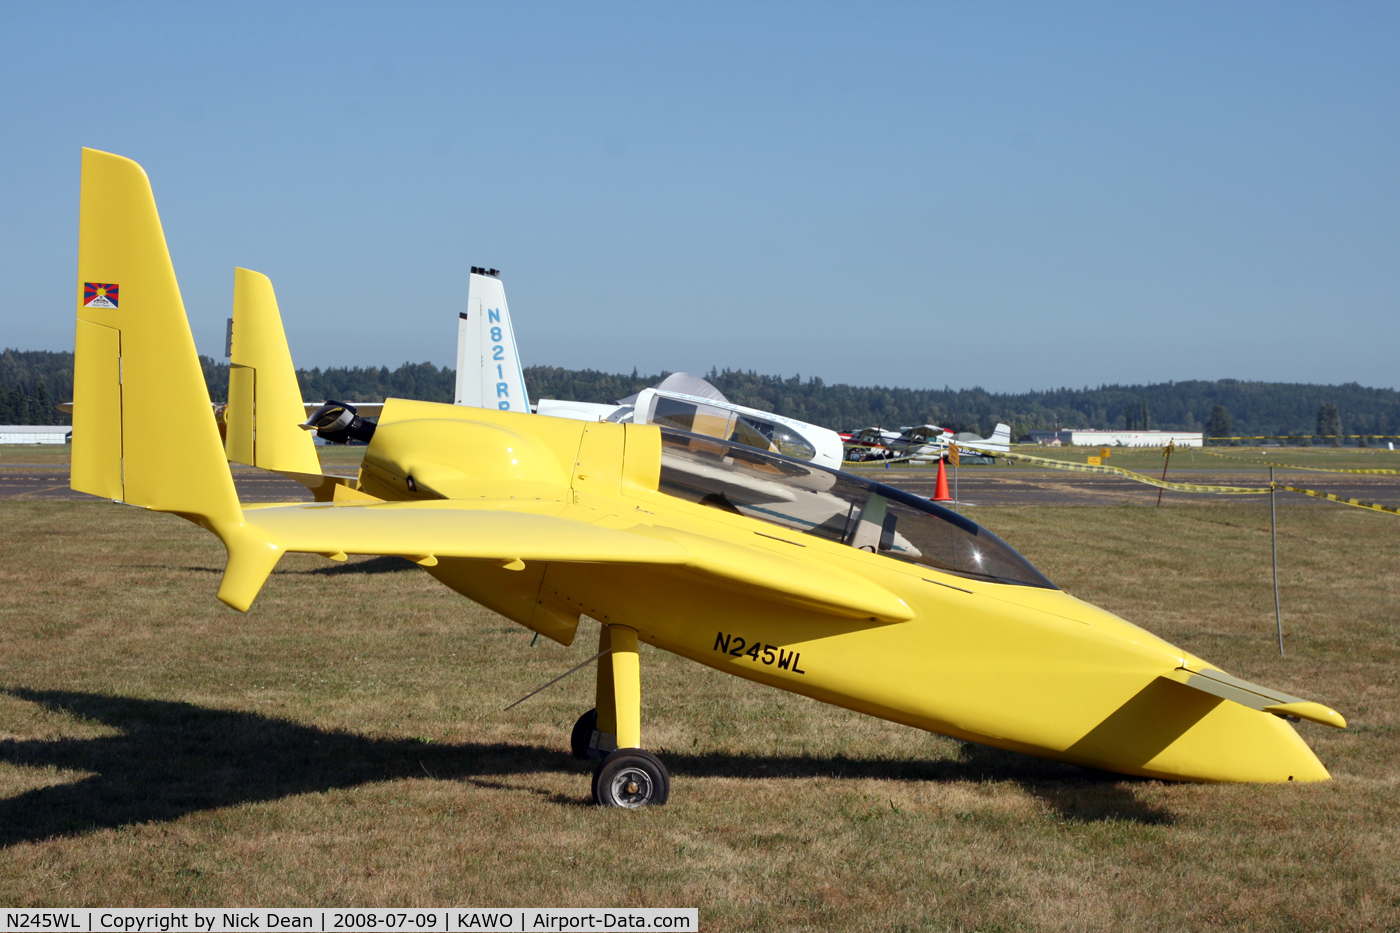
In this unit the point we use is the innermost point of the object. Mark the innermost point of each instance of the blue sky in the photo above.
(1015, 196)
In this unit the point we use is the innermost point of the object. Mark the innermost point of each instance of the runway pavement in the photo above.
(988, 486)
(52, 483)
(980, 487)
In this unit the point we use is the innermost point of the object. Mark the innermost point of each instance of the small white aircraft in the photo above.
(872, 443)
(489, 375)
(927, 442)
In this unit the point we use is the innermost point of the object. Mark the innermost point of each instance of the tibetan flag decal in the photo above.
(99, 295)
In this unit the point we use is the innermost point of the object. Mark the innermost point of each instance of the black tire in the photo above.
(631, 778)
(583, 732)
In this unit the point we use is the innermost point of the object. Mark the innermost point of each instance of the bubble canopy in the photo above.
(837, 506)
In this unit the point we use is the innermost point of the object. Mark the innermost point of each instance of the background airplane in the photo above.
(928, 442)
(489, 376)
(925, 443)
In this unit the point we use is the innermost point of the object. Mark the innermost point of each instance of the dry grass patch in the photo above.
(344, 744)
(44, 455)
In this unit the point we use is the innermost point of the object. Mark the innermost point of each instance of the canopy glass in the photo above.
(837, 506)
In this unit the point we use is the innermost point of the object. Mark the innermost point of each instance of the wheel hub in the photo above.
(631, 788)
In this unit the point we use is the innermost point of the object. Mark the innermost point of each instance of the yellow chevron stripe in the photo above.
(1358, 503)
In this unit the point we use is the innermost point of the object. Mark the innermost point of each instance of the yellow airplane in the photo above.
(773, 569)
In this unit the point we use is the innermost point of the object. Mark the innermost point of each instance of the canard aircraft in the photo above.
(757, 564)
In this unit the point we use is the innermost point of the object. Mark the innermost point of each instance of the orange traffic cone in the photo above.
(940, 491)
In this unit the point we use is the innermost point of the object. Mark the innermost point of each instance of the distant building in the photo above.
(35, 433)
(1074, 438)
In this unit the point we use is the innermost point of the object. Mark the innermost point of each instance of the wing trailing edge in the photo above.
(425, 532)
(769, 574)
(422, 532)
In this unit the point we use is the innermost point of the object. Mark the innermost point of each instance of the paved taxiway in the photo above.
(1023, 486)
(38, 483)
(980, 487)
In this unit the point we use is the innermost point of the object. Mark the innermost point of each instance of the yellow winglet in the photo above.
(143, 428)
(1313, 712)
(251, 558)
(264, 400)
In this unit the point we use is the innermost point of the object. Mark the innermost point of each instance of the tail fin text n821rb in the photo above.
(488, 363)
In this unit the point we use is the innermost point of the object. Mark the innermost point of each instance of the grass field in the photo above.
(1232, 459)
(344, 744)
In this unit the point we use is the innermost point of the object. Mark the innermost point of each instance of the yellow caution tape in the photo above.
(1182, 487)
(1108, 470)
(1360, 504)
(1289, 437)
(1289, 466)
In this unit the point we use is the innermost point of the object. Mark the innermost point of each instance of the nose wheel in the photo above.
(631, 778)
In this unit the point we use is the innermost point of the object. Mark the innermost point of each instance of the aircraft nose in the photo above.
(1172, 731)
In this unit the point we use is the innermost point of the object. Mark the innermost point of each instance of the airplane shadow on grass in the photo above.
(174, 758)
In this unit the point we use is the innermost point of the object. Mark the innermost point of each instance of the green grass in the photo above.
(344, 744)
(56, 455)
(1233, 459)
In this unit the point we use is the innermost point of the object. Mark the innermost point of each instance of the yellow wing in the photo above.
(428, 531)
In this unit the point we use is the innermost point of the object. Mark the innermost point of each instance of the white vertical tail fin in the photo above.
(1001, 437)
(488, 364)
(998, 441)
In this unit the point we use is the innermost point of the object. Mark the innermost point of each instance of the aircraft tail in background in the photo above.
(488, 364)
(1000, 439)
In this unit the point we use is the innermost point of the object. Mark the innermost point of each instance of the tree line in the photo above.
(31, 382)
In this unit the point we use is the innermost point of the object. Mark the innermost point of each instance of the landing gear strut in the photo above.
(611, 733)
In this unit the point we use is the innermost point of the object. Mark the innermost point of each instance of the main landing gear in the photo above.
(611, 734)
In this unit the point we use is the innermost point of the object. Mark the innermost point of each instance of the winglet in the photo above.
(250, 561)
(1313, 712)
(144, 431)
(264, 399)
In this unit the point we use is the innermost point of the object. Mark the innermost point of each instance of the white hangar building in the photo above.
(1071, 438)
(35, 433)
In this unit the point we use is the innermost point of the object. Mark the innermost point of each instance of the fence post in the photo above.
(1273, 534)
